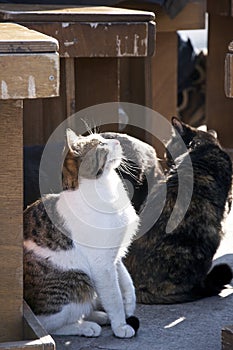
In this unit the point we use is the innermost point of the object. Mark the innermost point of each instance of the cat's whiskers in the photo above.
(129, 169)
(89, 129)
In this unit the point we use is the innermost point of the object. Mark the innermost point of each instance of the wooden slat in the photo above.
(29, 75)
(11, 221)
(36, 337)
(229, 75)
(15, 38)
(229, 71)
(70, 86)
(56, 13)
(110, 39)
(101, 81)
(34, 328)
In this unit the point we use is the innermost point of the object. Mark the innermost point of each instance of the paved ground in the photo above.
(195, 325)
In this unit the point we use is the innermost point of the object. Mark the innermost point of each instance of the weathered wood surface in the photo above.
(110, 39)
(11, 220)
(18, 39)
(89, 31)
(229, 71)
(29, 75)
(29, 63)
(61, 13)
(192, 15)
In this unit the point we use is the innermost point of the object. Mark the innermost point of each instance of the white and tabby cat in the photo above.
(74, 265)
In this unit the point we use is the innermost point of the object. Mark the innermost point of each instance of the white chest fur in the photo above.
(99, 213)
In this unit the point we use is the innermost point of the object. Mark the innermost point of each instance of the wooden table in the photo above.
(219, 107)
(29, 69)
(93, 41)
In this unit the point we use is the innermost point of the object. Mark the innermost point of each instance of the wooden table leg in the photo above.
(11, 219)
(70, 86)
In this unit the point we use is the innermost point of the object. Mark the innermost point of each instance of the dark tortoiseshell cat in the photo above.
(171, 267)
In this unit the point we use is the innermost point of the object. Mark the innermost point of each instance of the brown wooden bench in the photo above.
(93, 41)
(29, 69)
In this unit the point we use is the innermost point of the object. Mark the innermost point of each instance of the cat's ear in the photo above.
(177, 124)
(71, 138)
(213, 133)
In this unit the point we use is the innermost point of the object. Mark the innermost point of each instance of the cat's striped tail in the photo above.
(215, 281)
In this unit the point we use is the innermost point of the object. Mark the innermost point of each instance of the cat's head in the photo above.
(88, 157)
(192, 138)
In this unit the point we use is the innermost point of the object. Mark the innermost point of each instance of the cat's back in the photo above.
(44, 226)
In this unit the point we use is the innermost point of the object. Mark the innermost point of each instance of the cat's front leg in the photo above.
(109, 292)
(127, 289)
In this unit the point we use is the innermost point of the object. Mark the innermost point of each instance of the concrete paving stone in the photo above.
(196, 325)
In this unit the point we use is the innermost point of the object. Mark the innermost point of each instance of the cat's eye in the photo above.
(102, 143)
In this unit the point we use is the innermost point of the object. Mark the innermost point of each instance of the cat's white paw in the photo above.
(83, 328)
(124, 331)
(91, 329)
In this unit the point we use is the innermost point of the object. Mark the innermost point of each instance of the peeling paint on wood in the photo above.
(31, 87)
(4, 89)
(65, 25)
(94, 25)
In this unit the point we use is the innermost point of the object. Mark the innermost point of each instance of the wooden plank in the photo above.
(33, 122)
(29, 75)
(22, 345)
(227, 338)
(164, 83)
(11, 220)
(33, 327)
(15, 38)
(101, 72)
(192, 15)
(110, 39)
(218, 106)
(229, 75)
(29, 13)
(70, 86)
